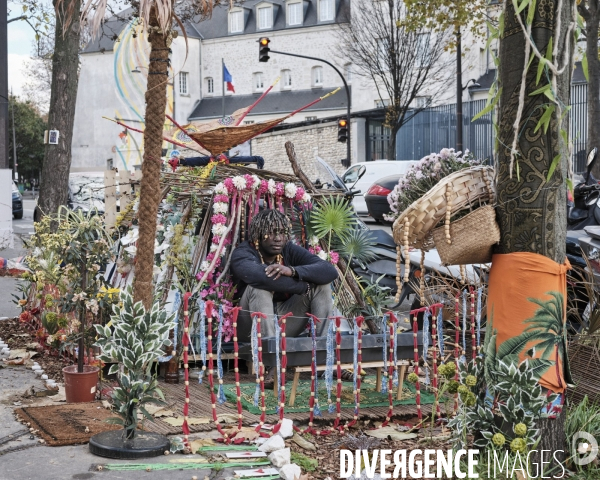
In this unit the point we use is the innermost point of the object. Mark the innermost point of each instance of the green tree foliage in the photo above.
(443, 15)
(29, 134)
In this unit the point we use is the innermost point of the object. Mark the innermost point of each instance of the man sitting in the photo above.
(275, 276)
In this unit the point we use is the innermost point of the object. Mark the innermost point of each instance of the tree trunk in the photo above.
(150, 192)
(63, 95)
(531, 210)
(593, 89)
(391, 150)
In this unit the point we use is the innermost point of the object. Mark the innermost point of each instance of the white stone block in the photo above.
(287, 428)
(279, 458)
(272, 444)
(290, 472)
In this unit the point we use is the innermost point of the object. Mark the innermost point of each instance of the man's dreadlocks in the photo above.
(269, 222)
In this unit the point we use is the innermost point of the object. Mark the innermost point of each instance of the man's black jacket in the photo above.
(247, 270)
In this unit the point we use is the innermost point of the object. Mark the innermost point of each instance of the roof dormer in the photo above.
(295, 12)
(238, 19)
(266, 14)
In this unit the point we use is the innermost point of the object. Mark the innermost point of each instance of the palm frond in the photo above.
(516, 345)
(358, 245)
(333, 216)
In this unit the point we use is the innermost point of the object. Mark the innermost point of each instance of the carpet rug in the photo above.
(369, 397)
(66, 424)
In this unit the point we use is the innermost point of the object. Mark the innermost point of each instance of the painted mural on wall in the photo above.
(131, 58)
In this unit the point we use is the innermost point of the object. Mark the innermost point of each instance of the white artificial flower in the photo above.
(221, 189)
(131, 250)
(272, 187)
(446, 152)
(156, 270)
(213, 247)
(239, 182)
(220, 207)
(419, 175)
(50, 339)
(290, 190)
(256, 181)
(204, 266)
(170, 233)
(313, 241)
(136, 205)
(306, 198)
(160, 248)
(219, 229)
(322, 255)
(132, 236)
(160, 228)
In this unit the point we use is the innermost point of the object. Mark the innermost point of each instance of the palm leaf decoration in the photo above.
(358, 245)
(333, 216)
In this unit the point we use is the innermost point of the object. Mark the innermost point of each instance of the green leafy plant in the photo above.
(307, 464)
(333, 216)
(583, 417)
(137, 339)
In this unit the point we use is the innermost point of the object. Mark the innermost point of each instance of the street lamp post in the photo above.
(348, 98)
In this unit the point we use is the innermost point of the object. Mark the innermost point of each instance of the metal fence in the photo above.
(434, 128)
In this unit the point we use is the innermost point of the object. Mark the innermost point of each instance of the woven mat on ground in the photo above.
(368, 396)
(65, 424)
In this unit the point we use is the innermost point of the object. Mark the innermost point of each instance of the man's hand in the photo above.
(277, 271)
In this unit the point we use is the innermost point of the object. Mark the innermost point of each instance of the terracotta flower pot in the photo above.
(80, 387)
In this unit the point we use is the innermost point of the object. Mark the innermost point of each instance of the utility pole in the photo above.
(3, 84)
(459, 90)
(14, 169)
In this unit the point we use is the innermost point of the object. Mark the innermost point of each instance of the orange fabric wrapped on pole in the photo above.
(526, 309)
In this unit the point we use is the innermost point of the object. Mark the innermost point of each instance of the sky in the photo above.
(20, 45)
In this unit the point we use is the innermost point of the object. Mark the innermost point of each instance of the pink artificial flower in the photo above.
(204, 293)
(210, 257)
(221, 199)
(279, 189)
(249, 181)
(198, 276)
(218, 218)
(264, 187)
(216, 239)
(299, 194)
(218, 262)
(220, 295)
(334, 257)
(228, 182)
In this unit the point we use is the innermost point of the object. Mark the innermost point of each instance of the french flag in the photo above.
(228, 79)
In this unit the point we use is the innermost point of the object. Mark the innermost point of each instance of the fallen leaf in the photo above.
(159, 411)
(390, 433)
(178, 421)
(18, 353)
(303, 443)
(227, 418)
(245, 432)
(302, 477)
(195, 445)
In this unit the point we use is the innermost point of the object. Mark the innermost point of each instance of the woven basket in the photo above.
(472, 238)
(453, 193)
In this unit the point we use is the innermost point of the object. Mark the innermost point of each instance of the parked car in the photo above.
(17, 202)
(376, 196)
(375, 170)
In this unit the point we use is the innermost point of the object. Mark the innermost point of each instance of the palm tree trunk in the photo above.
(156, 102)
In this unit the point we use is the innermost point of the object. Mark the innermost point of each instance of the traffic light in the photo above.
(263, 49)
(342, 130)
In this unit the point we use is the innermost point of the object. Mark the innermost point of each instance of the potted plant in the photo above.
(136, 339)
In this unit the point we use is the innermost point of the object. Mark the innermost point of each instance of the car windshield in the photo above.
(85, 189)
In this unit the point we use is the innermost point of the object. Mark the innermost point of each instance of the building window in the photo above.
(310, 119)
(183, 83)
(422, 102)
(265, 17)
(326, 10)
(236, 22)
(423, 51)
(294, 13)
(317, 76)
(210, 85)
(348, 72)
(287, 79)
(258, 82)
(382, 103)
